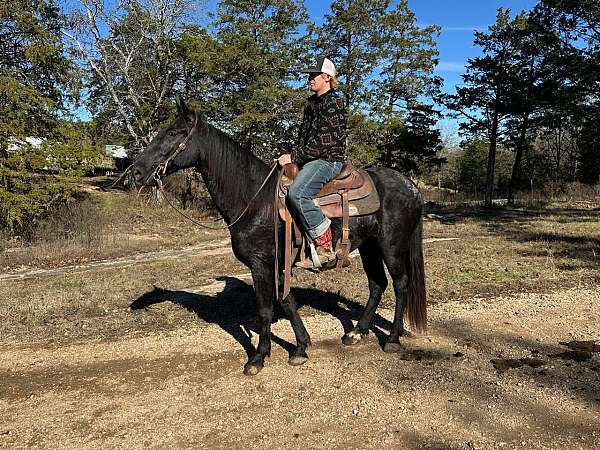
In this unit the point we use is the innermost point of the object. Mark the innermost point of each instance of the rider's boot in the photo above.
(325, 252)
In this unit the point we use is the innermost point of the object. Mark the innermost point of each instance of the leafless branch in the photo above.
(128, 44)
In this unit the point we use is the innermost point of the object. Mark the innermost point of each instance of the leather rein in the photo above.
(161, 170)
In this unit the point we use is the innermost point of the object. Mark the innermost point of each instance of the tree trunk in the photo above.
(518, 157)
(489, 182)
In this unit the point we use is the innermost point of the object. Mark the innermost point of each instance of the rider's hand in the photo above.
(284, 159)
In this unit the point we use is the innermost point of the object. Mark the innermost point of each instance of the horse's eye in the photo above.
(172, 133)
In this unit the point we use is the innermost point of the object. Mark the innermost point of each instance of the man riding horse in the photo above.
(388, 237)
(320, 153)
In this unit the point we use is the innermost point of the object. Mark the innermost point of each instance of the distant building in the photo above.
(118, 155)
(15, 144)
(115, 156)
(116, 151)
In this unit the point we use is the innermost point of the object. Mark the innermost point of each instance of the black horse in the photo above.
(233, 175)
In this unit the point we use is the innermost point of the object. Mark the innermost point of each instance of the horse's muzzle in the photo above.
(142, 176)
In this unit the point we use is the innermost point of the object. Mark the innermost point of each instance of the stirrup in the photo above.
(312, 263)
(318, 260)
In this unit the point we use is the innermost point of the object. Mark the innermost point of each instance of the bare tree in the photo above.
(559, 143)
(129, 45)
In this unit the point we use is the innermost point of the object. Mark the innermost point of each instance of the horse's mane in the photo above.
(229, 161)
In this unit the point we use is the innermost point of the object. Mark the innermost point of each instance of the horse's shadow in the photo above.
(234, 310)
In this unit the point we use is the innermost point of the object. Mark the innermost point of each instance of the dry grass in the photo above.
(497, 252)
(513, 251)
(95, 303)
(103, 225)
(577, 195)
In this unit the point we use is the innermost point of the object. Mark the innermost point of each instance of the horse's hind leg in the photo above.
(372, 261)
(397, 269)
(299, 356)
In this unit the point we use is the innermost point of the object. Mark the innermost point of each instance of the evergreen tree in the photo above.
(485, 99)
(386, 64)
(534, 88)
(409, 55)
(405, 86)
(201, 77)
(36, 80)
(35, 76)
(351, 35)
(411, 145)
(471, 166)
(574, 55)
(259, 48)
(589, 148)
(470, 171)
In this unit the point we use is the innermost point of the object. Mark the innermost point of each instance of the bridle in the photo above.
(161, 169)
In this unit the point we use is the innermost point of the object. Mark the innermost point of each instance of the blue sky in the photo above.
(458, 19)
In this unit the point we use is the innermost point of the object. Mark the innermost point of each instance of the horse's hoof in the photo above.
(252, 369)
(297, 360)
(392, 347)
(352, 338)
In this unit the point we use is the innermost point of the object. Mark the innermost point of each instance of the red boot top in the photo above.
(325, 239)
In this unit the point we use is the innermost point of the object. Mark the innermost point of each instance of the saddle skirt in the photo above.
(356, 183)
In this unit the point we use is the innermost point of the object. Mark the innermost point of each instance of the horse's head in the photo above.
(171, 149)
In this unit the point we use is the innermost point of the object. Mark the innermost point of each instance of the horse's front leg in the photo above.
(298, 356)
(263, 278)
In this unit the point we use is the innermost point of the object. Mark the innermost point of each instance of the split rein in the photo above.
(161, 170)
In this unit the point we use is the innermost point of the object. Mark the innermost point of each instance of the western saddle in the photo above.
(351, 193)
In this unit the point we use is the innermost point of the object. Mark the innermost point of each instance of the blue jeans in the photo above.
(313, 176)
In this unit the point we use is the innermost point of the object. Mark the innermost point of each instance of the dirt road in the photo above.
(185, 388)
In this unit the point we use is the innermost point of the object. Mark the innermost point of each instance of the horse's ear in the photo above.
(182, 108)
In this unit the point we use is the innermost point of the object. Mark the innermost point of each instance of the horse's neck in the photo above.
(232, 174)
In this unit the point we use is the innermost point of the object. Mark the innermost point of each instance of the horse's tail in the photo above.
(416, 304)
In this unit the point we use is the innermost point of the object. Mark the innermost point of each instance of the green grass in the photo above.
(65, 285)
(462, 277)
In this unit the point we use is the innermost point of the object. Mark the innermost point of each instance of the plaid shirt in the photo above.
(323, 129)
